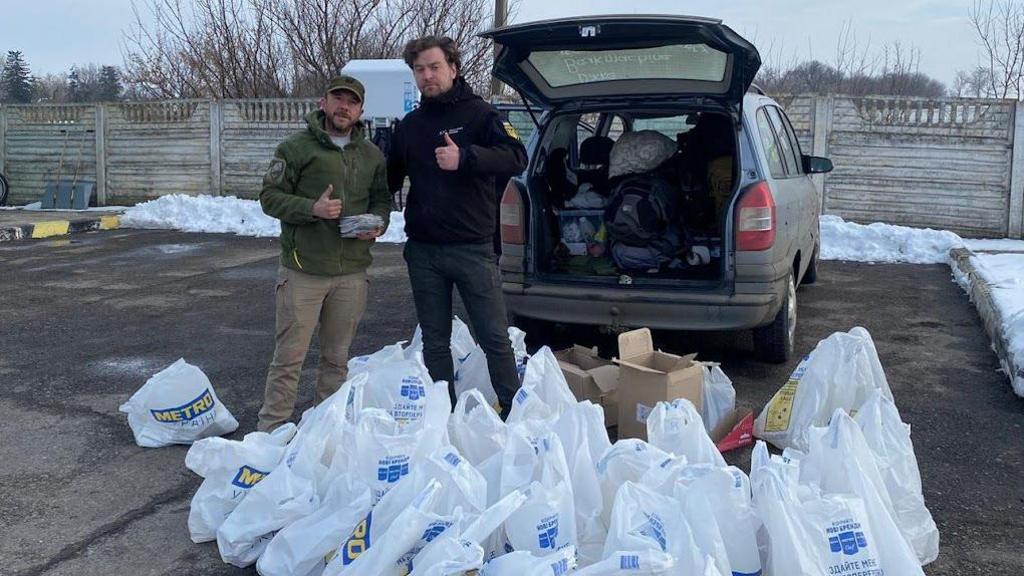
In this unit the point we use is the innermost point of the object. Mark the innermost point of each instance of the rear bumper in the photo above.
(630, 308)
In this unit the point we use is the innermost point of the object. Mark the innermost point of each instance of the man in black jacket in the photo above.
(452, 148)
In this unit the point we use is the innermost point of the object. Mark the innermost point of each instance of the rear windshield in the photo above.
(675, 62)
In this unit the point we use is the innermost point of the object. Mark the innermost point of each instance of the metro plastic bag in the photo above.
(300, 547)
(476, 429)
(229, 469)
(461, 344)
(472, 374)
(522, 563)
(677, 428)
(889, 439)
(177, 405)
(645, 520)
(718, 398)
(840, 372)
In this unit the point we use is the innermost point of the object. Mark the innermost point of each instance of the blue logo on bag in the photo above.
(392, 469)
(452, 459)
(521, 396)
(629, 562)
(547, 532)
(561, 567)
(188, 411)
(413, 391)
(434, 530)
(846, 537)
(248, 477)
(655, 530)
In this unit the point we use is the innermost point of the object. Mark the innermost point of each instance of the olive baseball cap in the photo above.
(346, 83)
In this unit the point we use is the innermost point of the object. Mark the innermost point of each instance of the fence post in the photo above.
(822, 130)
(216, 120)
(1015, 217)
(101, 154)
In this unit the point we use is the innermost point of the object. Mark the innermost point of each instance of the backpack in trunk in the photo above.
(641, 209)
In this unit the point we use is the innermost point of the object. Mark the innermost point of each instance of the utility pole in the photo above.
(500, 15)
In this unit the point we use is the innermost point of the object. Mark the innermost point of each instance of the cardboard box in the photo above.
(591, 377)
(734, 431)
(647, 377)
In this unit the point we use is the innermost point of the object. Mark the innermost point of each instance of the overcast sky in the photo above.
(55, 34)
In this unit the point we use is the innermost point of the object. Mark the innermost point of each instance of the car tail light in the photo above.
(755, 218)
(513, 216)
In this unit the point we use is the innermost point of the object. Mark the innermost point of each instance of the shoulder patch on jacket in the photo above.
(511, 130)
(275, 172)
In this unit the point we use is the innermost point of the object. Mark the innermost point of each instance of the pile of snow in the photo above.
(998, 245)
(383, 478)
(1004, 274)
(221, 214)
(841, 240)
(218, 214)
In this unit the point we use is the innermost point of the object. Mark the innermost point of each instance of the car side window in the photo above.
(789, 157)
(769, 145)
(792, 137)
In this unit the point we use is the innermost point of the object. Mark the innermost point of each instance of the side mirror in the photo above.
(816, 164)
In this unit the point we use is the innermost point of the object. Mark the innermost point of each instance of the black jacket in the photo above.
(453, 206)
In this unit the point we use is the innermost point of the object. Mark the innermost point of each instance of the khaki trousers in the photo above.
(337, 304)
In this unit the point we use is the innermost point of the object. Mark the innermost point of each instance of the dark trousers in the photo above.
(472, 268)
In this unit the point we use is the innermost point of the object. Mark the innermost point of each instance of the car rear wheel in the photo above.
(775, 342)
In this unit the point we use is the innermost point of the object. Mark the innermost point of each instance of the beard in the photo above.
(341, 124)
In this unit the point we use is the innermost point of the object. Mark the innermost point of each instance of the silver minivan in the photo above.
(745, 230)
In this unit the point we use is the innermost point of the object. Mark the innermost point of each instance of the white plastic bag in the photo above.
(229, 469)
(627, 460)
(476, 429)
(461, 343)
(718, 398)
(840, 462)
(405, 390)
(636, 562)
(386, 355)
(461, 487)
(840, 372)
(472, 374)
(573, 429)
(300, 548)
(889, 439)
(518, 339)
(384, 452)
(546, 522)
(380, 557)
(522, 563)
(645, 520)
(677, 428)
(544, 393)
(177, 405)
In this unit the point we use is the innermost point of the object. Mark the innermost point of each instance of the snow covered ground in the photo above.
(841, 240)
(1004, 274)
(221, 214)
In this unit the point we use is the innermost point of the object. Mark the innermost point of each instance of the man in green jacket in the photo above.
(318, 175)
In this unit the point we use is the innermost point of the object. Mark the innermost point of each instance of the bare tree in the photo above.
(257, 48)
(999, 25)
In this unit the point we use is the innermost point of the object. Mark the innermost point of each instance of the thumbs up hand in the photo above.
(326, 207)
(447, 155)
